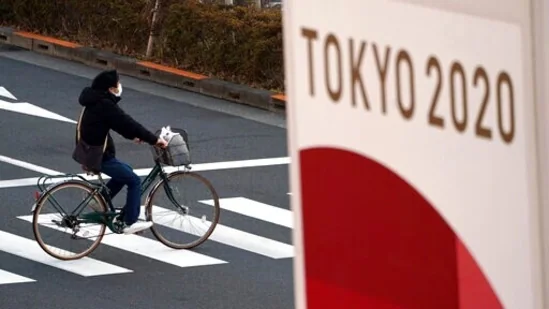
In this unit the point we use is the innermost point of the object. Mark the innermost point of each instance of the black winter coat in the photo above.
(103, 114)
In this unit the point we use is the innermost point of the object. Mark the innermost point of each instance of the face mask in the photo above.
(119, 90)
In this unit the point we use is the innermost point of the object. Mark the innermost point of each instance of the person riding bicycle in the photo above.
(102, 114)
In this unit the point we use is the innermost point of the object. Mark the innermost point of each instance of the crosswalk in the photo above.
(260, 245)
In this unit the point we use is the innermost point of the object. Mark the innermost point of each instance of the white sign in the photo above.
(411, 123)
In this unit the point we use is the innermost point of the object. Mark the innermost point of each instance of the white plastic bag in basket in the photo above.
(167, 134)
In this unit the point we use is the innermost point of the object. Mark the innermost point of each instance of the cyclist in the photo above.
(101, 115)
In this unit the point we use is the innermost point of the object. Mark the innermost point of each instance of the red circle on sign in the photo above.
(372, 241)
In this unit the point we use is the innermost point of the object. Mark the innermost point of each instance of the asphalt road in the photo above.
(247, 275)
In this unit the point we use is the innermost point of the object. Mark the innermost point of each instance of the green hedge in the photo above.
(239, 44)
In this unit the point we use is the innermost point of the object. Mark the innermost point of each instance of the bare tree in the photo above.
(154, 29)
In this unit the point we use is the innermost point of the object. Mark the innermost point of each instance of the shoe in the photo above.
(137, 227)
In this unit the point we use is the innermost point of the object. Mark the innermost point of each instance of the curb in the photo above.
(153, 72)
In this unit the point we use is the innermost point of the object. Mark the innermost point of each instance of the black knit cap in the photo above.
(105, 80)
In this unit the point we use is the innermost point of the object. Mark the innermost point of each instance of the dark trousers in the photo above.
(122, 174)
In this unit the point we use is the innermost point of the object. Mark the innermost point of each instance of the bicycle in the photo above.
(110, 217)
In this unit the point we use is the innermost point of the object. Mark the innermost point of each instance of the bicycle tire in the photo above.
(39, 204)
(149, 203)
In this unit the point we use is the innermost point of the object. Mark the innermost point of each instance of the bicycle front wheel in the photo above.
(184, 210)
(55, 221)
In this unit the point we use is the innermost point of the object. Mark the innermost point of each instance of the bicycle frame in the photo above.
(108, 216)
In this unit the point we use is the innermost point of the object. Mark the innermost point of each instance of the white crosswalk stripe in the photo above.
(236, 238)
(153, 249)
(256, 210)
(139, 245)
(29, 249)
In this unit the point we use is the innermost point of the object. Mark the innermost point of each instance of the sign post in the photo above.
(412, 131)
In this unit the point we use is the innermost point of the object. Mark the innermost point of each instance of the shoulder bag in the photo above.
(90, 157)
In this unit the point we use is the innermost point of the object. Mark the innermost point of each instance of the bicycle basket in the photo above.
(177, 153)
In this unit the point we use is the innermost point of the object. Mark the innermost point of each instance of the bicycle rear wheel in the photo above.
(60, 220)
(198, 200)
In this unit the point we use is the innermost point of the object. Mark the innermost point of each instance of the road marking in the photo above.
(29, 166)
(201, 167)
(141, 246)
(30, 250)
(8, 278)
(214, 166)
(5, 93)
(32, 110)
(15, 183)
(256, 210)
(233, 237)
